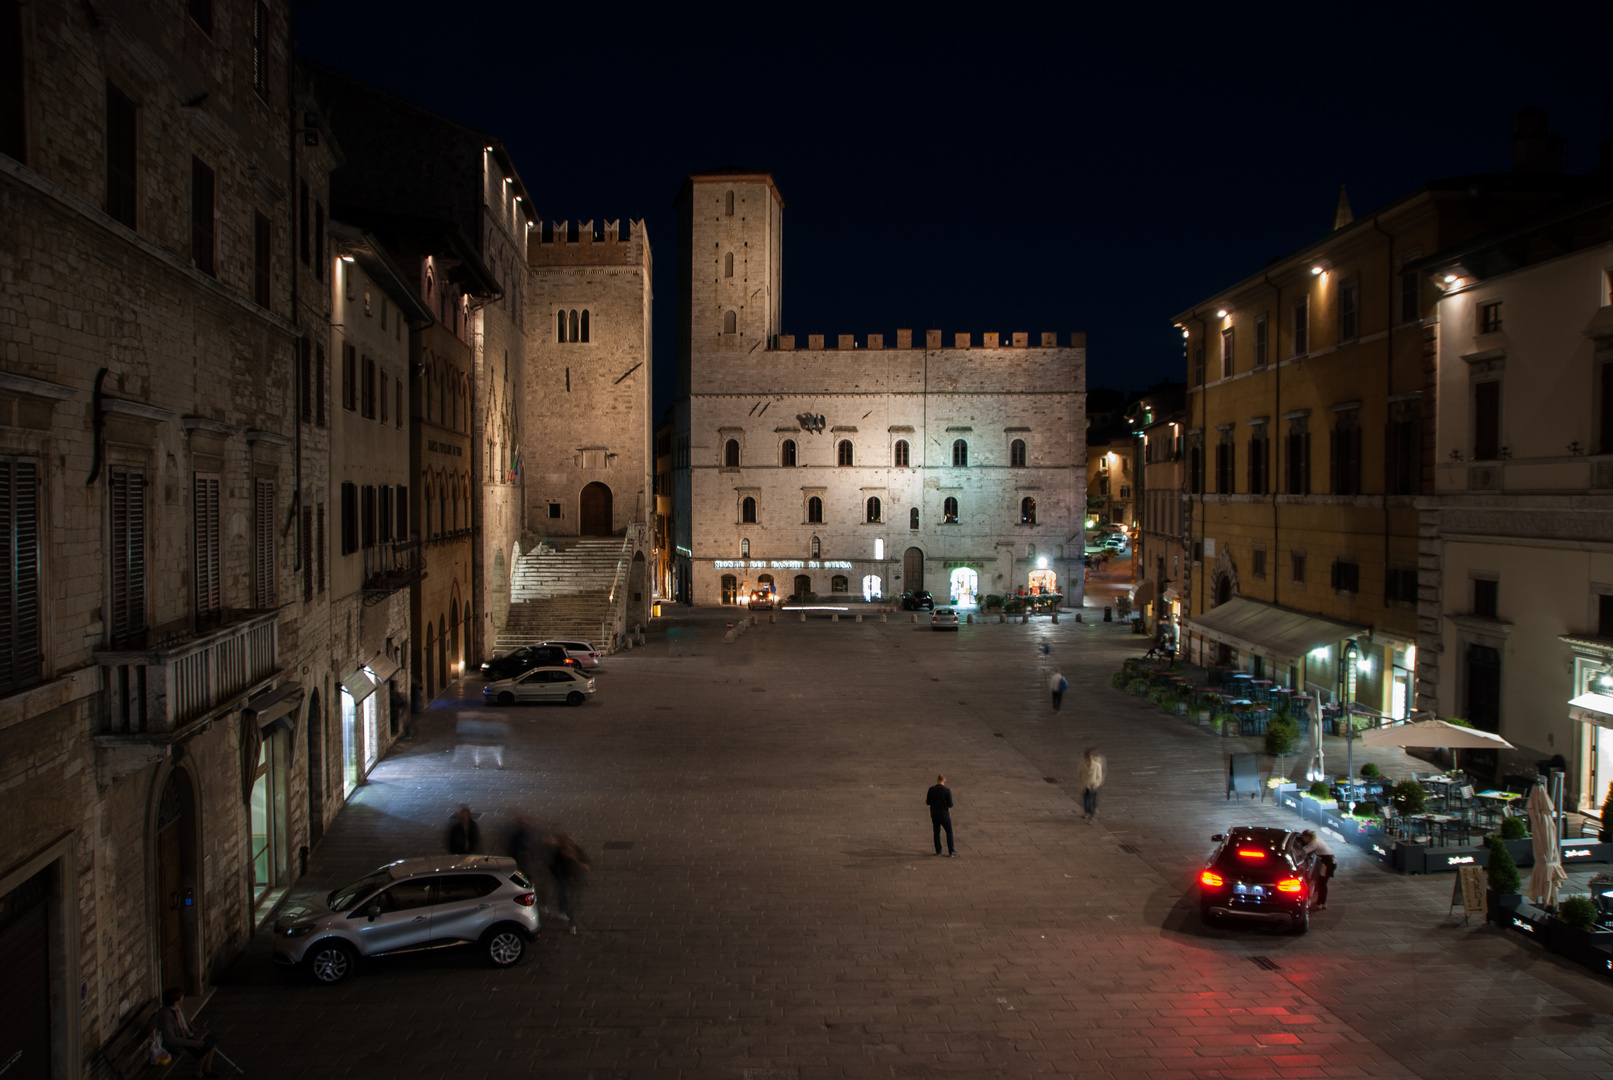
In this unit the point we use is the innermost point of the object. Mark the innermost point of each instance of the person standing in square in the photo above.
(939, 800)
(1058, 685)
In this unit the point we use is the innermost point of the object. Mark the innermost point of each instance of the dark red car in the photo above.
(1258, 874)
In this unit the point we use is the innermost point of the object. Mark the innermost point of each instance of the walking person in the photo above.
(464, 837)
(567, 865)
(1058, 685)
(179, 1034)
(527, 848)
(1326, 865)
(1091, 780)
(939, 800)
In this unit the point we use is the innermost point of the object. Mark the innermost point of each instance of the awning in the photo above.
(359, 685)
(383, 667)
(1592, 709)
(1144, 593)
(277, 704)
(1277, 631)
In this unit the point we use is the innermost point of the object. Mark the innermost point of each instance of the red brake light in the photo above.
(1210, 877)
(1291, 884)
(527, 899)
(1251, 853)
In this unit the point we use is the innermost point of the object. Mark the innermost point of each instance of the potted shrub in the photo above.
(1225, 724)
(1573, 933)
(1281, 735)
(1409, 797)
(1137, 687)
(1320, 791)
(1119, 679)
(1503, 882)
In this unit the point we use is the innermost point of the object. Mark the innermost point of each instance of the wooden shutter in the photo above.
(305, 367)
(128, 512)
(19, 576)
(263, 543)
(403, 512)
(209, 575)
(319, 547)
(319, 385)
(307, 554)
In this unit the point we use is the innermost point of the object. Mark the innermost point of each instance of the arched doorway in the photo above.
(871, 587)
(442, 652)
(963, 585)
(453, 638)
(597, 518)
(316, 770)
(429, 666)
(178, 892)
(803, 585)
(913, 569)
(1223, 590)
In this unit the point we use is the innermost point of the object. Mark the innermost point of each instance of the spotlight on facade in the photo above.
(1450, 279)
(347, 258)
(1318, 270)
(1221, 314)
(1041, 562)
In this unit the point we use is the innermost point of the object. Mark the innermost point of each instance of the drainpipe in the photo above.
(1204, 419)
(1388, 391)
(1274, 476)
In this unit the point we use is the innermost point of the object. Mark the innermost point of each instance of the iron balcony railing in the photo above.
(159, 690)
(390, 566)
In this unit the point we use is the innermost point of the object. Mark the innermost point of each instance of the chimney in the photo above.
(1534, 148)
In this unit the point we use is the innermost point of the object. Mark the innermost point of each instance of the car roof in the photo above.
(1256, 834)
(444, 864)
(572, 645)
(553, 667)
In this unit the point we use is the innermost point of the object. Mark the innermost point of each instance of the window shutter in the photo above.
(319, 385)
(307, 554)
(128, 510)
(209, 578)
(305, 366)
(19, 576)
(319, 546)
(263, 545)
(403, 512)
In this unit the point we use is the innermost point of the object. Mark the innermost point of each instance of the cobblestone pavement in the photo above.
(764, 903)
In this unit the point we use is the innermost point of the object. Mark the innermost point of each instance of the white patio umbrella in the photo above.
(1434, 733)
(1548, 875)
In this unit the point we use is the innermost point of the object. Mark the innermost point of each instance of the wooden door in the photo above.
(25, 990)
(597, 517)
(913, 570)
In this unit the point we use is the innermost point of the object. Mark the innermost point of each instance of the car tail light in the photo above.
(1291, 884)
(527, 899)
(1210, 877)
(1251, 853)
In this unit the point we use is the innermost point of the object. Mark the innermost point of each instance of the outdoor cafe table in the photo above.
(1437, 821)
(1443, 783)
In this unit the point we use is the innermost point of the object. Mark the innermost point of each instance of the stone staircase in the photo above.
(562, 589)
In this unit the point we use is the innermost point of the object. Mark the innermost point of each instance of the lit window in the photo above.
(1027, 511)
(949, 511)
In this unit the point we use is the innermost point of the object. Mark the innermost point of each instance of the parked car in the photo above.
(1258, 874)
(761, 600)
(421, 903)
(525, 658)
(586, 655)
(943, 618)
(566, 684)
(1115, 542)
(918, 601)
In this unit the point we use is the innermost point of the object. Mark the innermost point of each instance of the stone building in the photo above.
(861, 469)
(458, 217)
(665, 529)
(1516, 619)
(1111, 471)
(1310, 435)
(1159, 555)
(166, 658)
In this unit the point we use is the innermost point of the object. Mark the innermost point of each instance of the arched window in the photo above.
(814, 511)
(949, 511)
(585, 325)
(728, 265)
(744, 549)
(899, 454)
(843, 452)
(747, 510)
(838, 583)
(787, 454)
(560, 334)
(1016, 454)
(730, 322)
(574, 324)
(729, 205)
(873, 509)
(913, 518)
(817, 548)
(1027, 511)
(960, 454)
(730, 454)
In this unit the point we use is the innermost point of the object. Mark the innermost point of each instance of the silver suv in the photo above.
(412, 904)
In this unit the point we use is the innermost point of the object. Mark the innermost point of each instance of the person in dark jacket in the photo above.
(568, 863)
(178, 1033)
(463, 835)
(939, 800)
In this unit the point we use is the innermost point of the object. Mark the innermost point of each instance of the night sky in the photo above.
(1034, 173)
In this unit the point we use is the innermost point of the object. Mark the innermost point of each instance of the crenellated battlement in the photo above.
(932, 341)
(577, 243)
(586, 232)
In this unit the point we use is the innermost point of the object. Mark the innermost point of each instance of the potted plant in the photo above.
(1120, 678)
(1409, 797)
(1224, 723)
(1281, 735)
(1573, 933)
(1137, 687)
(1503, 882)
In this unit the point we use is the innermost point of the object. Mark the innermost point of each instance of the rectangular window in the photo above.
(303, 224)
(1345, 464)
(319, 544)
(307, 554)
(384, 395)
(1604, 615)
(1224, 484)
(201, 13)
(1258, 562)
(1259, 460)
(1302, 327)
(319, 385)
(554, 510)
(126, 622)
(305, 380)
(1262, 344)
(1297, 563)
(397, 404)
(208, 552)
(1490, 317)
(319, 241)
(349, 518)
(1403, 455)
(13, 124)
(366, 536)
(1400, 586)
(1195, 470)
(262, 267)
(1486, 593)
(349, 377)
(1298, 454)
(403, 513)
(1346, 576)
(383, 514)
(1198, 363)
(121, 155)
(260, 49)
(1226, 353)
(1487, 420)
(367, 390)
(1350, 310)
(1411, 308)
(263, 544)
(201, 216)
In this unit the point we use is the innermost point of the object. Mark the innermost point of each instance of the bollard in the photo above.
(772, 617)
(728, 637)
(1077, 616)
(803, 616)
(882, 617)
(971, 618)
(999, 618)
(1025, 618)
(1055, 616)
(914, 617)
(1108, 615)
(835, 617)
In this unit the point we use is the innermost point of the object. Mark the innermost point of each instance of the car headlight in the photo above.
(297, 931)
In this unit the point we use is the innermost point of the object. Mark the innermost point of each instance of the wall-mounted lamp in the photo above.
(347, 258)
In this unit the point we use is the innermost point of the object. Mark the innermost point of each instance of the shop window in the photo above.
(730, 586)
(839, 583)
(899, 454)
(1016, 454)
(843, 452)
(949, 511)
(803, 585)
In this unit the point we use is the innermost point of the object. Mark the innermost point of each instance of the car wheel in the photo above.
(576, 697)
(504, 945)
(330, 962)
(506, 698)
(1302, 921)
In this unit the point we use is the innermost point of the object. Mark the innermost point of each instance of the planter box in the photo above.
(1590, 948)
(1438, 859)
(1528, 920)
(1502, 906)
(1593, 851)
(1408, 858)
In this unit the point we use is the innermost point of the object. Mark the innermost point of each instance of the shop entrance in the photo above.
(803, 585)
(871, 587)
(177, 892)
(25, 991)
(597, 519)
(963, 585)
(316, 770)
(913, 569)
(730, 588)
(1044, 581)
(268, 814)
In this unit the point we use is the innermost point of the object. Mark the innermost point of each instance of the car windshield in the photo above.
(342, 899)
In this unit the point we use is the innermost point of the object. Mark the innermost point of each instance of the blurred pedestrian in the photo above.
(178, 1033)
(568, 864)
(528, 847)
(1091, 779)
(1058, 685)
(1326, 864)
(939, 800)
(483, 736)
(463, 835)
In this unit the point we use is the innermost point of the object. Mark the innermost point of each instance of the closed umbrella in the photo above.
(1548, 875)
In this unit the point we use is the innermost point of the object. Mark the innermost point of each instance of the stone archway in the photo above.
(597, 516)
(1224, 579)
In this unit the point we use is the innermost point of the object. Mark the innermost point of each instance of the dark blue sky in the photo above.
(993, 171)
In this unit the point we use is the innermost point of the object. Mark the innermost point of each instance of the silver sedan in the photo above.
(943, 618)
(542, 684)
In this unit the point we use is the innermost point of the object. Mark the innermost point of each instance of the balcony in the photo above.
(157, 691)
(390, 566)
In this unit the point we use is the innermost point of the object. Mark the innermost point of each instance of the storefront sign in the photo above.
(780, 564)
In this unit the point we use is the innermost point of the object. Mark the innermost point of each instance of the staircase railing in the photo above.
(611, 627)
